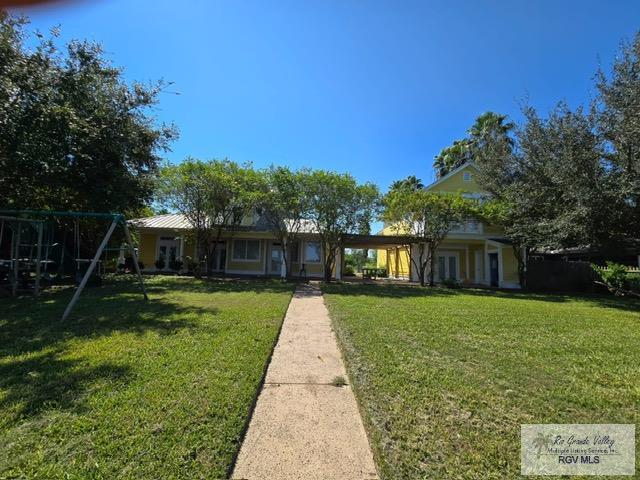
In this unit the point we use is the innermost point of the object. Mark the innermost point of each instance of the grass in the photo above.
(339, 381)
(129, 389)
(445, 378)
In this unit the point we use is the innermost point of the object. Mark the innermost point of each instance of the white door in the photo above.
(168, 251)
(221, 257)
(447, 266)
(275, 266)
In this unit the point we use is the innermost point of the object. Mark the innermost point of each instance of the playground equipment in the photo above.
(21, 271)
(16, 270)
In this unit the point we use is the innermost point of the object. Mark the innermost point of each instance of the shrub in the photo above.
(175, 265)
(190, 264)
(450, 283)
(349, 270)
(128, 264)
(617, 279)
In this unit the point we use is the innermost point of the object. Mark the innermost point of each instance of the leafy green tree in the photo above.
(553, 190)
(428, 217)
(284, 206)
(338, 205)
(213, 195)
(74, 135)
(618, 105)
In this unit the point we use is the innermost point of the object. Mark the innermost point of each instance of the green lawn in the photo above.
(128, 389)
(445, 378)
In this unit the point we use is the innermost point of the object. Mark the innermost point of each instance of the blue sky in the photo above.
(370, 87)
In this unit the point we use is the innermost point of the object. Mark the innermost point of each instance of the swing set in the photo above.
(33, 247)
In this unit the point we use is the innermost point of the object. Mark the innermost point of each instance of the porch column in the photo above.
(638, 261)
(397, 262)
(500, 268)
(468, 276)
(338, 262)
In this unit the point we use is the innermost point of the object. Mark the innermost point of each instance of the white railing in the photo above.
(629, 269)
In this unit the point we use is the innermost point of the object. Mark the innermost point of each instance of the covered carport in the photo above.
(373, 242)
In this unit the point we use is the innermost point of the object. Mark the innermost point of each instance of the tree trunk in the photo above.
(328, 266)
(283, 246)
(432, 265)
(422, 275)
(522, 272)
(197, 255)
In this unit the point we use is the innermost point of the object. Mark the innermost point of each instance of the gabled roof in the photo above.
(451, 174)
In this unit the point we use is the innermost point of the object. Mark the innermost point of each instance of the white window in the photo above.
(466, 176)
(247, 250)
(312, 252)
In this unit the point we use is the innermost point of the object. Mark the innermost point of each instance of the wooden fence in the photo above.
(560, 275)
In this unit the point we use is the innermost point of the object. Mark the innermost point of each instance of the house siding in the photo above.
(510, 266)
(456, 182)
(147, 249)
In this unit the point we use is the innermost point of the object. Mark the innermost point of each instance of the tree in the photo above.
(618, 113)
(428, 217)
(284, 206)
(184, 188)
(73, 134)
(489, 128)
(411, 183)
(554, 189)
(213, 195)
(452, 157)
(337, 206)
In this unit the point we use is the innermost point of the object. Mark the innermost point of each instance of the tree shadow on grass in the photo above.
(44, 382)
(406, 291)
(36, 373)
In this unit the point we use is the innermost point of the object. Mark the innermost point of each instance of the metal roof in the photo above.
(177, 221)
(173, 221)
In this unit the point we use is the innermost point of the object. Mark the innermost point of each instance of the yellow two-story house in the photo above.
(473, 253)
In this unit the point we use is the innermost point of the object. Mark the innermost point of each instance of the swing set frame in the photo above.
(19, 216)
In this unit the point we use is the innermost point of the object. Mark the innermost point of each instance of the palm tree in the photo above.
(452, 157)
(411, 183)
(490, 126)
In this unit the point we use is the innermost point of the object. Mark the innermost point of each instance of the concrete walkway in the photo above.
(303, 427)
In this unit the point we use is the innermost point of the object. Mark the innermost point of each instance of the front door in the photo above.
(275, 267)
(221, 257)
(493, 269)
(447, 266)
(167, 252)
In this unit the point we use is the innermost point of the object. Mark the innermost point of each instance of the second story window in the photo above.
(466, 176)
